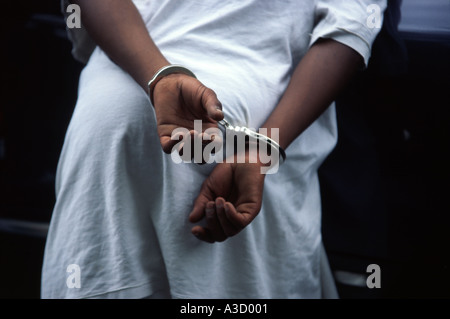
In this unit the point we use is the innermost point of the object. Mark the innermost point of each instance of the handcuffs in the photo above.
(257, 136)
(174, 68)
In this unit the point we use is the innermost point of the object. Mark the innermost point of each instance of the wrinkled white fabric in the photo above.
(122, 205)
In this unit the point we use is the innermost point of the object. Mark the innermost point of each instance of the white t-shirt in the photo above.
(122, 205)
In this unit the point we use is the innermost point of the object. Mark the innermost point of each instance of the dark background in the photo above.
(385, 194)
(385, 186)
(38, 92)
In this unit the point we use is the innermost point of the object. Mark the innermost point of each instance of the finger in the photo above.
(167, 144)
(202, 234)
(213, 224)
(218, 141)
(212, 104)
(177, 135)
(218, 183)
(181, 149)
(238, 219)
(206, 138)
(228, 228)
(198, 211)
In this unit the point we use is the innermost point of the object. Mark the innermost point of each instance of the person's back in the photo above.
(122, 211)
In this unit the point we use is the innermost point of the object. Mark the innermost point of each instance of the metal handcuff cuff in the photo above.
(174, 68)
(257, 136)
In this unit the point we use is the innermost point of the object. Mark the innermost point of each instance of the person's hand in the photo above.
(179, 100)
(230, 198)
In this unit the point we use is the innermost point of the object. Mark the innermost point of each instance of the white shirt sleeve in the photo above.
(353, 23)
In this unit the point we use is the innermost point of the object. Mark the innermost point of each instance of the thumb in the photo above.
(212, 105)
(218, 183)
(198, 211)
(197, 94)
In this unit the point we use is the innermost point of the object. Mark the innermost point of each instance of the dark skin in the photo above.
(231, 197)
(319, 77)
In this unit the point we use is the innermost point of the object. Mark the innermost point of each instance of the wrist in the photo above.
(256, 147)
(249, 155)
(165, 72)
(253, 159)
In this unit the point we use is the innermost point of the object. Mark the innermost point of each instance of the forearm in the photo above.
(118, 28)
(317, 80)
